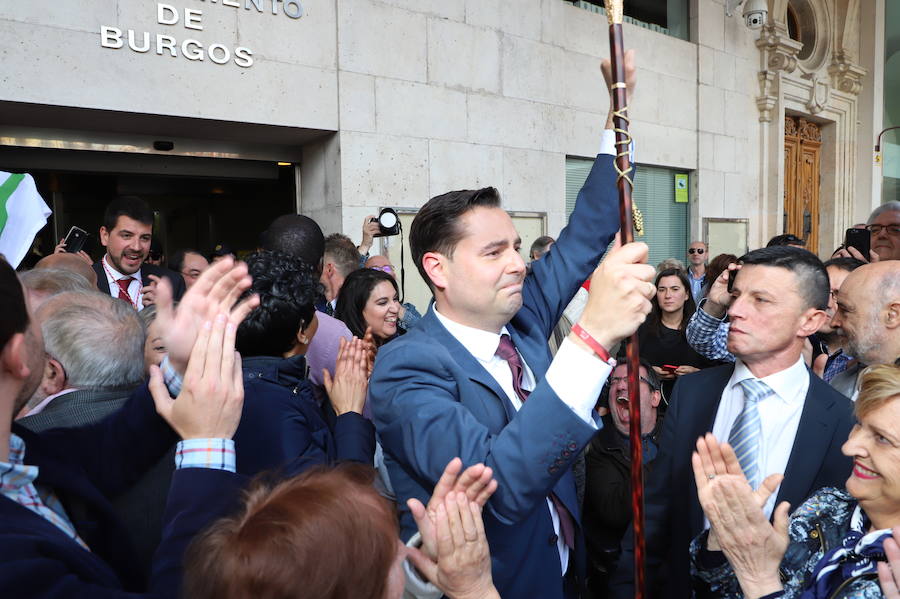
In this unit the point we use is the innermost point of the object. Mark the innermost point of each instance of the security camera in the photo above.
(756, 12)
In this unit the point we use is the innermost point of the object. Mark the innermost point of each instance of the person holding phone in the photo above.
(884, 236)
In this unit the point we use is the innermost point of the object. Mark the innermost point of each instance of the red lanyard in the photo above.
(112, 277)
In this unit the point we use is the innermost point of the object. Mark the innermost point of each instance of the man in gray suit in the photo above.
(868, 314)
(94, 348)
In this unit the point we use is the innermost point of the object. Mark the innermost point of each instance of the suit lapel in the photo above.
(814, 434)
(477, 373)
(102, 282)
(703, 399)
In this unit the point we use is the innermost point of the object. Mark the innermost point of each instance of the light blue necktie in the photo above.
(746, 433)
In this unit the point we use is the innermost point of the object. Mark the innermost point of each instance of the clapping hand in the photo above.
(215, 292)
(212, 394)
(347, 390)
(476, 482)
(455, 556)
(738, 526)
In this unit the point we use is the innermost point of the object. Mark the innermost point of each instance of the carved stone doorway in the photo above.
(802, 149)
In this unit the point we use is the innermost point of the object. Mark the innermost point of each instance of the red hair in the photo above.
(326, 534)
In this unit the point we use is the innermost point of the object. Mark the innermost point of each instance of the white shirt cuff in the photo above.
(608, 142)
(578, 377)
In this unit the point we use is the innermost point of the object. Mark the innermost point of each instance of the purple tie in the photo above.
(507, 351)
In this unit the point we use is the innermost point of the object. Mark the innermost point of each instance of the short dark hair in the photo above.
(287, 291)
(297, 236)
(341, 250)
(787, 239)
(812, 278)
(14, 312)
(848, 264)
(327, 528)
(176, 262)
(540, 245)
(131, 206)
(355, 293)
(436, 226)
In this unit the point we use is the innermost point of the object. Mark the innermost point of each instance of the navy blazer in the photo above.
(673, 516)
(175, 278)
(85, 467)
(284, 429)
(433, 401)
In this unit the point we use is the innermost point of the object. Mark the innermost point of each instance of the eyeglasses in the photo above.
(696, 251)
(615, 380)
(891, 229)
(386, 268)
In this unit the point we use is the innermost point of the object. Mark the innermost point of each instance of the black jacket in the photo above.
(177, 281)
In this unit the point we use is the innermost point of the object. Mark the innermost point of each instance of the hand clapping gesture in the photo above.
(738, 526)
(347, 390)
(455, 556)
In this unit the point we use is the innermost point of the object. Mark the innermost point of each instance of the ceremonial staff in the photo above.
(628, 219)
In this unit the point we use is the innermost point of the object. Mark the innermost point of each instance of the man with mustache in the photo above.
(123, 271)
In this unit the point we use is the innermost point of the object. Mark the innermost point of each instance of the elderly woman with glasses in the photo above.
(607, 502)
(836, 544)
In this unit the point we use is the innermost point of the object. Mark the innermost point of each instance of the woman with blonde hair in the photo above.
(832, 546)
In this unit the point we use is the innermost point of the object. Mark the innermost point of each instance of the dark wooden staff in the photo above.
(628, 218)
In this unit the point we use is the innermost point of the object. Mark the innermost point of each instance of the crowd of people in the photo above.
(284, 425)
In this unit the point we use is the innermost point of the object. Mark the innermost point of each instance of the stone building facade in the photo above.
(388, 102)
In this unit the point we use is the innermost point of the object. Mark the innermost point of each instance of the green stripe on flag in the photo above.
(6, 190)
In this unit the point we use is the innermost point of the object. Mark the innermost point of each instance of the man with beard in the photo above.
(868, 315)
(123, 271)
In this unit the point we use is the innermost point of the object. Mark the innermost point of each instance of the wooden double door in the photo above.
(802, 150)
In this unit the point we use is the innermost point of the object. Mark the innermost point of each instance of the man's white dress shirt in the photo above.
(779, 415)
(575, 375)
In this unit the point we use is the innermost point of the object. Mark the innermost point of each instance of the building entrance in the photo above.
(197, 202)
(802, 150)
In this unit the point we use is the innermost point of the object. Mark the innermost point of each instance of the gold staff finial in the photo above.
(614, 11)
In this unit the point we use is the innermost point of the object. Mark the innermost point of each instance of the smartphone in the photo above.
(860, 239)
(77, 237)
(732, 275)
(669, 368)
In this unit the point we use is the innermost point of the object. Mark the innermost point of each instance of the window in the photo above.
(665, 16)
(665, 221)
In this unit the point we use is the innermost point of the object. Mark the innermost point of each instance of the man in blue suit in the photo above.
(778, 415)
(474, 378)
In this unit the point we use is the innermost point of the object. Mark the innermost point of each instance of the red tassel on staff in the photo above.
(614, 13)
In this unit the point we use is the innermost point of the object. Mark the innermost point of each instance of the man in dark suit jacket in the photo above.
(60, 537)
(126, 234)
(456, 384)
(95, 359)
(779, 299)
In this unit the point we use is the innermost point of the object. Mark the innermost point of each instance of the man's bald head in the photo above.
(869, 312)
(69, 262)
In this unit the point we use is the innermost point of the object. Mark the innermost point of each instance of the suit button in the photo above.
(553, 540)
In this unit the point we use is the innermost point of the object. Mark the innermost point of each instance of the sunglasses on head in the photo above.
(696, 251)
(386, 268)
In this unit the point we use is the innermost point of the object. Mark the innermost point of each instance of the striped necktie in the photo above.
(746, 433)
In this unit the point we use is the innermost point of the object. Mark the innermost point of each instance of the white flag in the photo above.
(22, 214)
